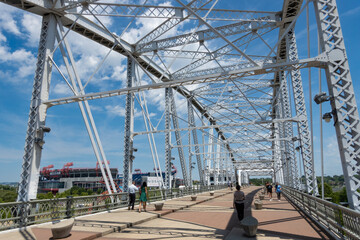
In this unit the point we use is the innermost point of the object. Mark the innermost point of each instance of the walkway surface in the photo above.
(209, 217)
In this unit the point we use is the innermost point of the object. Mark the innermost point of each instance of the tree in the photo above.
(327, 190)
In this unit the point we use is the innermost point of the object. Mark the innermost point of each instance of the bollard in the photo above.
(258, 204)
(159, 206)
(250, 225)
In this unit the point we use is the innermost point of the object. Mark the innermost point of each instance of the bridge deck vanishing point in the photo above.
(210, 217)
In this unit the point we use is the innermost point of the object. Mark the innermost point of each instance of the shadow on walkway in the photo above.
(274, 208)
(234, 221)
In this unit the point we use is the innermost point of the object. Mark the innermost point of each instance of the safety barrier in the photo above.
(21, 214)
(338, 221)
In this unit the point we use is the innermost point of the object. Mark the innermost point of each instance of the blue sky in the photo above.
(68, 140)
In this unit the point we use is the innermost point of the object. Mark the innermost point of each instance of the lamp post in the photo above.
(170, 175)
(299, 149)
(320, 98)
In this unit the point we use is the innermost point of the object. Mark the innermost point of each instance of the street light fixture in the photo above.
(321, 97)
(327, 117)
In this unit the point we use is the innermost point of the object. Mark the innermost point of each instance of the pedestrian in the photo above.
(132, 192)
(269, 188)
(229, 184)
(278, 191)
(143, 196)
(239, 202)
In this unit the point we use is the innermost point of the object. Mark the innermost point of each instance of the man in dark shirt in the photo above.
(269, 188)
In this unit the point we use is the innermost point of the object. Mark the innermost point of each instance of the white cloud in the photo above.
(8, 21)
(32, 25)
(2, 38)
(120, 111)
(24, 61)
(351, 12)
(62, 89)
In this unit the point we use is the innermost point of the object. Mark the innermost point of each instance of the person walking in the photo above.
(269, 188)
(143, 196)
(278, 191)
(132, 192)
(239, 202)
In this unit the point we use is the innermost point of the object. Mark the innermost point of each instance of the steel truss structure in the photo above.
(243, 93)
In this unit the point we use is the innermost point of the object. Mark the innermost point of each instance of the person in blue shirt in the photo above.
(278, 191)
(132, 192)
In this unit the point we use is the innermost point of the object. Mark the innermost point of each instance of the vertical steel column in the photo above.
(222, 173)
(343, 103)
(303, 126)
(217, 157)
(288, 133)
(167, 139)
(190, 148)
(210, 155)
(178, 138)
(35, 132)
(240, 176)
(129, 126)
(206, 168)
(278, 153)
(281, 133)
(196, 143)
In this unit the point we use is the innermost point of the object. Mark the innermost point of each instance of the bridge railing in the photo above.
(339, 221)
(20, 214)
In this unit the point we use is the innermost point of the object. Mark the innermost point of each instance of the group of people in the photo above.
(143, 192)
(269, 189)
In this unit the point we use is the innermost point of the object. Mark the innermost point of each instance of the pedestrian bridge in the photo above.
(296, 216)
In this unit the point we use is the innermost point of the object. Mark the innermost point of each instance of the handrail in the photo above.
(338, 221)
(21, 214)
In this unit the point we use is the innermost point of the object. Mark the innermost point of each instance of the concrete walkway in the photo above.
(208, 217)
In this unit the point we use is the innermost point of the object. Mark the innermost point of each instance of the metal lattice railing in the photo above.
(339, 221)
(40, 211)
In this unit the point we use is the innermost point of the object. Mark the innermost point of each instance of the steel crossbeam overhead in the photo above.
(152, 11)
(206, 35)
(214, 59)
(188, 54)
(254, 167)
(265, 172)
(168, 24)
(208, 77)
(223, 126)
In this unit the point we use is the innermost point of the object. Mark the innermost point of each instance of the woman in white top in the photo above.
(239, 202)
